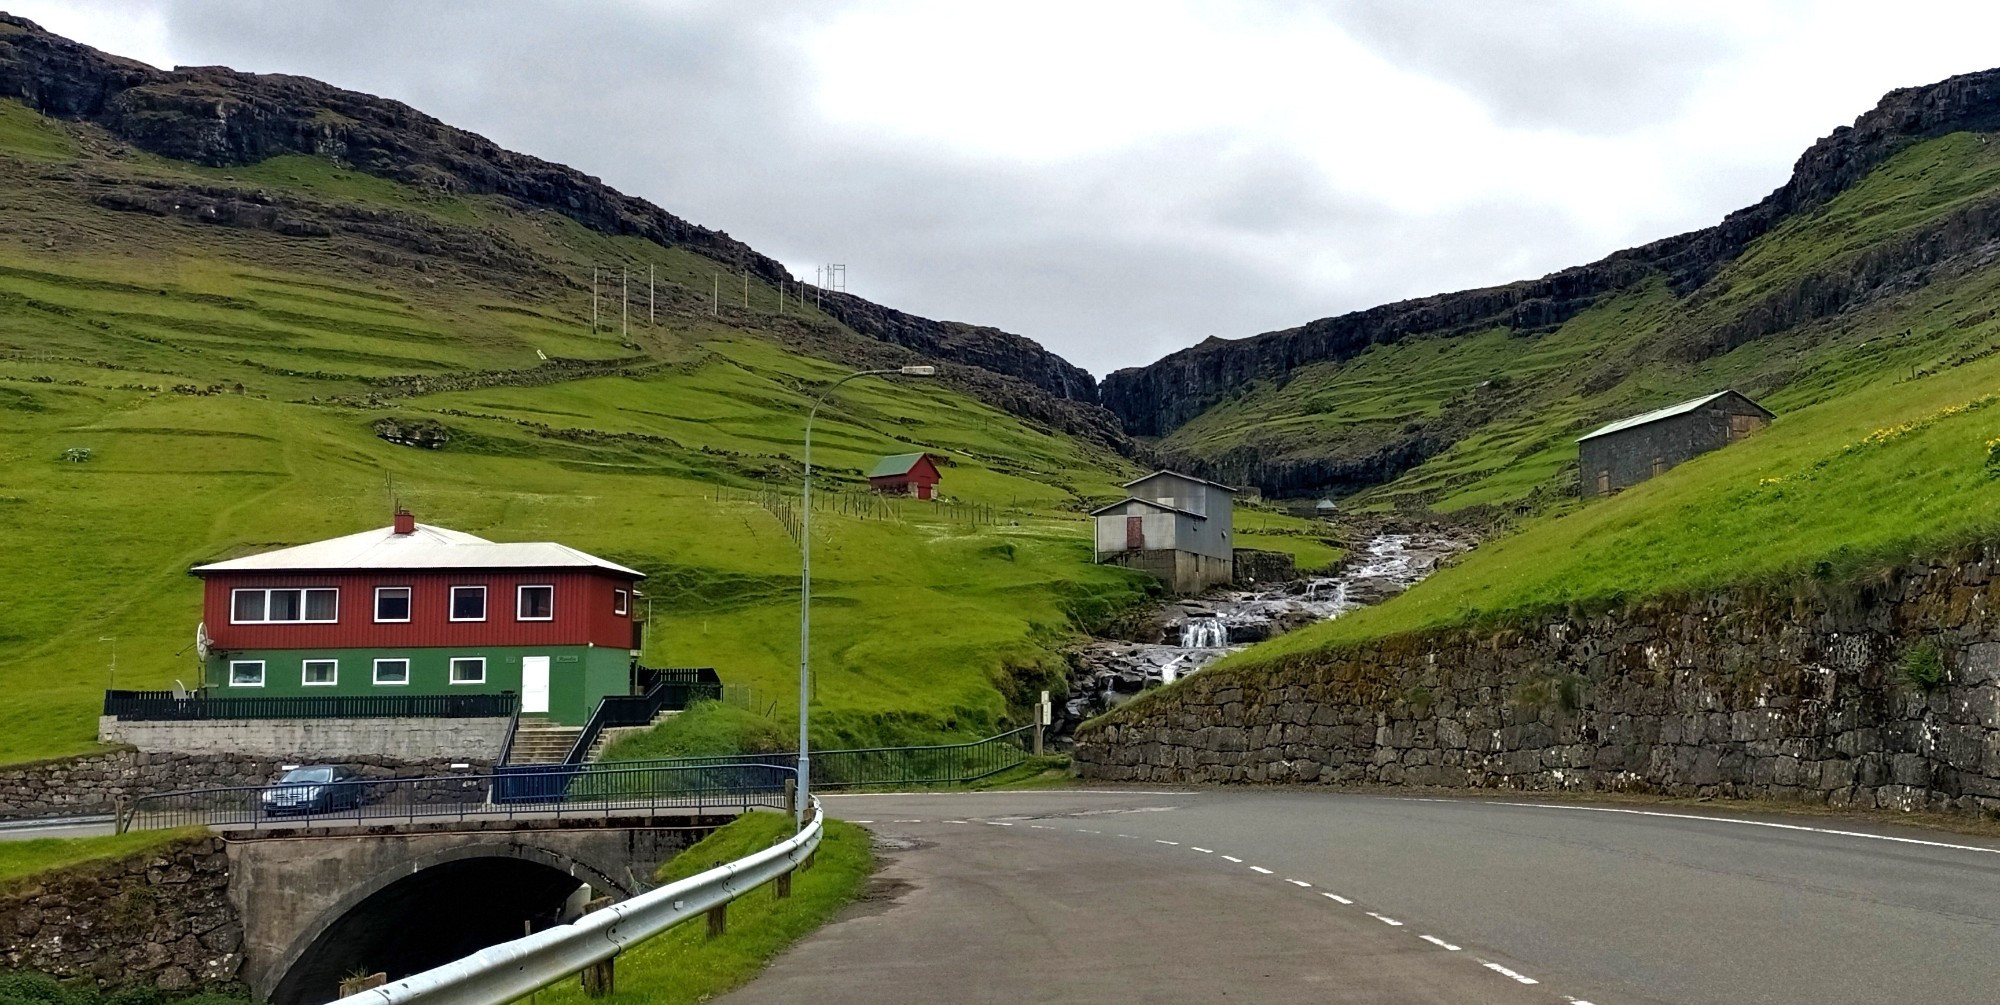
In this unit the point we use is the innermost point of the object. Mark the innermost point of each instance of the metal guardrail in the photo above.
(513, 970)
(605, 790)
(163, 706)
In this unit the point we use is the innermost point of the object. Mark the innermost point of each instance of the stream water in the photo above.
(1187, 635)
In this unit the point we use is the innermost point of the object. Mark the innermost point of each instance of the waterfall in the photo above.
(1204, 633)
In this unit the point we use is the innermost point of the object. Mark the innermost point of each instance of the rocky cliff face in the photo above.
(219, 117)
(1154, 400)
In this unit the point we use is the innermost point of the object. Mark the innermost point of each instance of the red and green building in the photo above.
(414, 609)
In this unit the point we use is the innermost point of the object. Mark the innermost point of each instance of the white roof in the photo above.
(1176, 474)
(427, 548)
(1665, 413)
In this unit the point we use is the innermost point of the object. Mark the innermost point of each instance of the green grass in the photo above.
(927, 625)
(685, 965)
(20, 988)
(1828, 491)
(23, 860)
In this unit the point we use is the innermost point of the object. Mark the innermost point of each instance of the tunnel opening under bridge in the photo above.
(427, 918)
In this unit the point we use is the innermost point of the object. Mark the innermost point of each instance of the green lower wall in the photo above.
(578, 675)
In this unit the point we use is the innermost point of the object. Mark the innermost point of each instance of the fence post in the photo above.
(1040, 710)
(718, 920)
(599, 979)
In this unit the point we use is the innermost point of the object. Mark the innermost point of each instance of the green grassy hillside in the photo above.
(1502, 410)
(226, 380)
(1886, 446)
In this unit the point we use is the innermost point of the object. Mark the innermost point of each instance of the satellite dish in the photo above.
(202, 643)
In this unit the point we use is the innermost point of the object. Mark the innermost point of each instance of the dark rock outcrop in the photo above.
(220, 117)
(1156, 399)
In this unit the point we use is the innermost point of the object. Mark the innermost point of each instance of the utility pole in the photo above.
(746, 289)
(649, 294)
(593, 300)
(715, 295)
(624, 302)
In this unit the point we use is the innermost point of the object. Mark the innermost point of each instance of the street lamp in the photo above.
(806, 578)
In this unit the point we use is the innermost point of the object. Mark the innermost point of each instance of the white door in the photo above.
(534, 684)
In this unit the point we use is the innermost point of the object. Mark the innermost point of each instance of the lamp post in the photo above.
(806, 578)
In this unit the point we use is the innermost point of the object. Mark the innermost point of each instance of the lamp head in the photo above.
(918, 371)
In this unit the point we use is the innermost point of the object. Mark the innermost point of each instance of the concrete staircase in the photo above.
(539, 741)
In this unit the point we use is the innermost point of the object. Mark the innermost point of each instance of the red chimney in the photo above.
(406, 522)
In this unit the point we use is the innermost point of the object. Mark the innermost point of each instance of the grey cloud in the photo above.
(1587, 67)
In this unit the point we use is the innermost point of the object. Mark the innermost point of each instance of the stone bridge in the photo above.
(317, 905)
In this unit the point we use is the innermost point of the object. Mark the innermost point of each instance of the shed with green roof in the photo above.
(905, 475)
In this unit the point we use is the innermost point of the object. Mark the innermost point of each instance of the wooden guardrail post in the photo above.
(599, 979)
(718, 920)
(784, 885)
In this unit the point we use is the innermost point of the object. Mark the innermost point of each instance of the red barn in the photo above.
(905, 475)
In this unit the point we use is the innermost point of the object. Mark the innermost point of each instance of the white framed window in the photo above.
(246, 673)
(468, 603)
(396, 671)
(392, 604)
(319, 673)
(621, 602)
(468, 670)
(316, 606)
(535, 603)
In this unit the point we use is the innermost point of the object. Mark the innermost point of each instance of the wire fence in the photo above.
(866, 505)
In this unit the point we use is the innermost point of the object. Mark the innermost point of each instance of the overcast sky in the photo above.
(1119, 180)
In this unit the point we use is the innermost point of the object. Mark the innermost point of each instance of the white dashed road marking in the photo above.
(1259, 868)
(1204, 851)
(1299, 882)
(1232, 858)
(1336, 898)
(1080, 830)
(1163, 841)
(861, 821)
(1515, 975)
(920, 821)
(998, 823)
(1391, 922)
(1440, 943)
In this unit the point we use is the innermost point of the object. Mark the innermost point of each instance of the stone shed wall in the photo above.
(161, 918)
(1747, 693)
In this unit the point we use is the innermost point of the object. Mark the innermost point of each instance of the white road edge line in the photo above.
(1259, 868)
(1336, 898)
(1749, 823)
(1300, 883)
(1391, 922)
(1440, 943)
(1513, 974)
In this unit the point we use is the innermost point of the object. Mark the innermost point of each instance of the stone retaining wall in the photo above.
(1804, 695)
(161, 918)
(97, 783)
(403, 739)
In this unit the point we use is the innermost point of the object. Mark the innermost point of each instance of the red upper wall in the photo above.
(584, 611)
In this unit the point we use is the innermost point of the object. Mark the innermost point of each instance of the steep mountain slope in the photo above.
(218, 117)
(1474, 397)
(197, 361)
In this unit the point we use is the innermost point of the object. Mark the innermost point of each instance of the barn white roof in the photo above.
(1663, 413)
(427, 547)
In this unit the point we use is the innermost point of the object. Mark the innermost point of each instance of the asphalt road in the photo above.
(1282, 896)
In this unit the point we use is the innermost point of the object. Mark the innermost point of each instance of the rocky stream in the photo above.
(1186, 635)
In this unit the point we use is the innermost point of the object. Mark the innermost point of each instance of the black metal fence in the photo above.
(163, 706)
(601, 790)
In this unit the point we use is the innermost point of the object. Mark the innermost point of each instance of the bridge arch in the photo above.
(429, 909)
